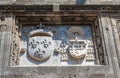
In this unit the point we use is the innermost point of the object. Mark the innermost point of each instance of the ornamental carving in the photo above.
(49, 8)
(57, 45)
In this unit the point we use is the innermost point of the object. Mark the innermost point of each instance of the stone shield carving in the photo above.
(40, 46)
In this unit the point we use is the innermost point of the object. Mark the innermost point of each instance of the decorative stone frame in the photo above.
(76, 69)
(87, 19)
(104, 71)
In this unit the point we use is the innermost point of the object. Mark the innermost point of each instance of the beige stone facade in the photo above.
(102, 15)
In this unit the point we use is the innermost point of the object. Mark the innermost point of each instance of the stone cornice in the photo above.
(90, 7)
(49, 8)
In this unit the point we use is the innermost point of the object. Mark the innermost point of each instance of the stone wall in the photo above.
(108, 21)
(108, 25)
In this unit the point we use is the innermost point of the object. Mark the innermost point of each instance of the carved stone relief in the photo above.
(57, 45)
(15, 46)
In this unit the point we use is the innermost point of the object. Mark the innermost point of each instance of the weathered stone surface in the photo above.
(108, 22)
(62, 71)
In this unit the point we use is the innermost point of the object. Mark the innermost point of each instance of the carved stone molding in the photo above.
(15, 8)
(47, 8)
(89, 7)
(115, 24)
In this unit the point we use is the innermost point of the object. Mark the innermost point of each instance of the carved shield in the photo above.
(77, 48)
(40, 47)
